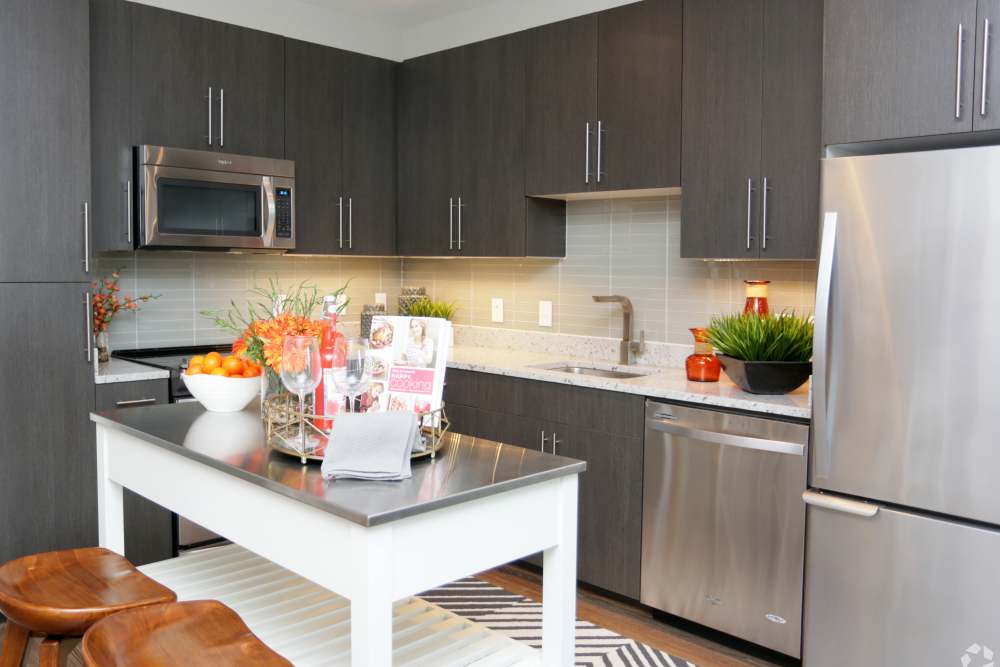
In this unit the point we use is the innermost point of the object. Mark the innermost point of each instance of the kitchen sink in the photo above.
(596, 372)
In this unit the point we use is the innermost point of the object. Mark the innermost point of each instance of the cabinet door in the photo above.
(314, 90)
(149, 528)
(561, 100)
(171, 55)
(490, 95)
(890, 69)
(722, 121)
(639, 95)
(48, 498)
(370, 154)
(45, 121)
(985, 115)
(250, 107)
(463, 419)
(111, 123)
(610, 508)
(790, 155)
(427, 156)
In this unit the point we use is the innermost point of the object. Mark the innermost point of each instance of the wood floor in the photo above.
(631, 621)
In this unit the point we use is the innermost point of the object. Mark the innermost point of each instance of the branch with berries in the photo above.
(107, 302)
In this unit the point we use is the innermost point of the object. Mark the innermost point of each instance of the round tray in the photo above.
(288, 451)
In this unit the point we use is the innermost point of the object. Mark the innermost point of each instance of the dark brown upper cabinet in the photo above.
(751, 125)
(341, 133)
(45, 160)
(901, 68)
(604, 101)
(461, 157)
(206, 85)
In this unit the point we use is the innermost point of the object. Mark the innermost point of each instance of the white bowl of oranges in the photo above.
(222, 384)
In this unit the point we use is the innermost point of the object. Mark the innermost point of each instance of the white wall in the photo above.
(313, 23)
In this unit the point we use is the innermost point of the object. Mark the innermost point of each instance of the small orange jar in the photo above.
(703, 365)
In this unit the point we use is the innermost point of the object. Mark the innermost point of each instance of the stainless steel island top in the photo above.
(465, 469)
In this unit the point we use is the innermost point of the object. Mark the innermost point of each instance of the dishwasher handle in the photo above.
(673, 427)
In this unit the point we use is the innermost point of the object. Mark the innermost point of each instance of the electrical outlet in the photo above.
(496, 311)
(544, 313)
(380, 299)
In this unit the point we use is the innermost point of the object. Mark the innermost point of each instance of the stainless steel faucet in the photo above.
(627, 347)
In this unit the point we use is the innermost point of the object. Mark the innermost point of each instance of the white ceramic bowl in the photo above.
(222, 394)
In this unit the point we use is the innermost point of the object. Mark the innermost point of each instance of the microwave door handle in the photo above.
(268, 213)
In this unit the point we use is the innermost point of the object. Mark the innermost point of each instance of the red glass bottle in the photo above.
(756, 302)
(703, 365)
(325, 401)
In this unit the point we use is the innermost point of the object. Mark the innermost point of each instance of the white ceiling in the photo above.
(400, 12)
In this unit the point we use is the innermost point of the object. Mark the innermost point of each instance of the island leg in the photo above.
(371, 603)
(559, 583)
(110, 503)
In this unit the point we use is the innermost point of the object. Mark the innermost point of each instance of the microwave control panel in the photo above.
(283, 212)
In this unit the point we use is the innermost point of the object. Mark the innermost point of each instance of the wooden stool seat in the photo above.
(65, 592)
(203, 632)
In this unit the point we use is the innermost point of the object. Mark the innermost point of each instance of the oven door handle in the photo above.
(726, 439)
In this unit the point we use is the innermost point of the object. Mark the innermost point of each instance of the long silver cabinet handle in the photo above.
(210, 100)
(460, 205)
(350, 222)
(451, 223)
(135, 402)
(958, 72)
(586, 152)
(986, 67)
(340, 209)
(840, 504)
(824, 287)
(86, 237)
(542, 444)
(749, 214)
(726, 439)
(89, 316)
(600, 143)
(222, 117)
(555, 442)
(763, 215)
(128, 210)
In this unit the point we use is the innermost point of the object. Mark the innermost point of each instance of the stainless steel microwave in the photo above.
(201, 199)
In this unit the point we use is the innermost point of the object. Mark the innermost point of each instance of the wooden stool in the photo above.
(203, 632)
(63, 593)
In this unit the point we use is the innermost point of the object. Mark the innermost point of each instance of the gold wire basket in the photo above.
(282, 415)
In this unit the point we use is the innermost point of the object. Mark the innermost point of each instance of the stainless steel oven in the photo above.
(202, 199)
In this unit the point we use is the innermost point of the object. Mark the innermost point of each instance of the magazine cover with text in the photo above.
(407, 358)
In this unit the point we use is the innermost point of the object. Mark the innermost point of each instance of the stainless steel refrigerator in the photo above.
(903, 521)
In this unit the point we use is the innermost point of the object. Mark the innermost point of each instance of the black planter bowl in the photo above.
(766, 377)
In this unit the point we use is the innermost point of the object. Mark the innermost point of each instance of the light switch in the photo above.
(496, 312)
(380, 299)
(544, 313)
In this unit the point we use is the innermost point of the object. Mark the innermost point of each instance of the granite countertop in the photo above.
(466, 468)
(666, 383)
(119, 370)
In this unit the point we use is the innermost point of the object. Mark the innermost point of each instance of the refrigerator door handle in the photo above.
(839, 504)
(824, 283)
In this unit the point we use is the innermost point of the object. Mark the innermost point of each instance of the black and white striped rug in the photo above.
(521, 618)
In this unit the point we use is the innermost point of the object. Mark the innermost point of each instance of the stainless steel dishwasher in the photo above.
(723, 523)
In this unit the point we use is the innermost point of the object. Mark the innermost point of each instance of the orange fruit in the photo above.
(220, 371)
(251, 371)
(196, 360)
(211, 363)
(195, 370)
(232, 365)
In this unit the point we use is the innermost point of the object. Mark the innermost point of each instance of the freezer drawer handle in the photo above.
(838, 504)
(727, 439)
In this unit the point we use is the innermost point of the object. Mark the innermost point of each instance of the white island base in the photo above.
(310, 626)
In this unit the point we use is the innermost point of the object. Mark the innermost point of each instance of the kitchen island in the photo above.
(478, 505)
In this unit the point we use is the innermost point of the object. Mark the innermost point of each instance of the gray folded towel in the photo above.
(371, 446)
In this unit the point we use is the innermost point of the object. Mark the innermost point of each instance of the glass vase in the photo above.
(703, 365)
(103, 342)
(756, 302)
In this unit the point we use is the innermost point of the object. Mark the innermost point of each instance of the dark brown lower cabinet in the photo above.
(600, 427)
(149, 528)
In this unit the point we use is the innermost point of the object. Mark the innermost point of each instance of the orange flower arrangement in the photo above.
(271, 335)
(106, 302)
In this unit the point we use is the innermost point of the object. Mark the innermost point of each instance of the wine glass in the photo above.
(352, 376)
(301, 371)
